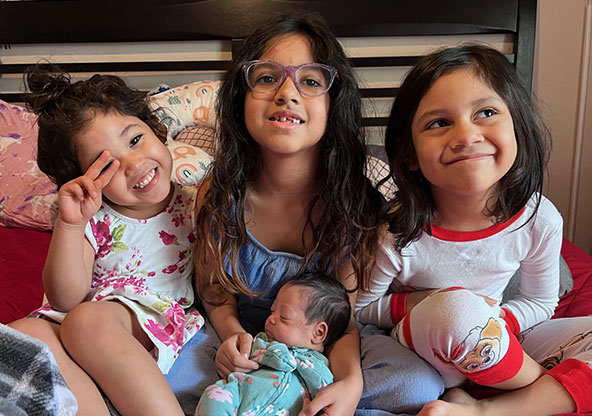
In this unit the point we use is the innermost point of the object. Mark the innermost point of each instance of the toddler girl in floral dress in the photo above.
(123, 236)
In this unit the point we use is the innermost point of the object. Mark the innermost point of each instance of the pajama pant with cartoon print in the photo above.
(463, 337)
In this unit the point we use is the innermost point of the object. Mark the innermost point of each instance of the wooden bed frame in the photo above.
(112, 22)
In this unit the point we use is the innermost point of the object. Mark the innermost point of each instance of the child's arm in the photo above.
(233, 354)
(342, 397)
(539, 273)
(374, 306)
(68, 267)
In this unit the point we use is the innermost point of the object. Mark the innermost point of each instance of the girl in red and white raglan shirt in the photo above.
(468, 152)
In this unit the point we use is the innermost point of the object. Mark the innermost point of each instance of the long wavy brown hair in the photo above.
(347, 227)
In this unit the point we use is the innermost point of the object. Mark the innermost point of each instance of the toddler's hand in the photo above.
(81, 198)
(233, 355)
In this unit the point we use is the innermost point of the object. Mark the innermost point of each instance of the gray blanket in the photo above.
(30, 382)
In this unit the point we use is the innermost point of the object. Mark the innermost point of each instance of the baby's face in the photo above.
(287, 323)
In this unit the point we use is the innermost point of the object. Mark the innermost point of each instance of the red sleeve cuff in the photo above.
(511, 322)
(507, 368)
(398, 306)
(576, 377)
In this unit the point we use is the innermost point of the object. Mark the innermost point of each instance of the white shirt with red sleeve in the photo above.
(482, 261)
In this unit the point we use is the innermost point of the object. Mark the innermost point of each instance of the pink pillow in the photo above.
(27, 196)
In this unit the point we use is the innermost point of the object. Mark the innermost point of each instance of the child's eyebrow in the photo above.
(127, 129)
(123, 133)
(484, 99)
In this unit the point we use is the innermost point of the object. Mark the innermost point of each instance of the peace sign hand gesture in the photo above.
(81, 198)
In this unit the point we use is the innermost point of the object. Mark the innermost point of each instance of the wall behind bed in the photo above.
(563, 83)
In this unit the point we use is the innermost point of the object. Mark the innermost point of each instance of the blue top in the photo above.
(266, 271)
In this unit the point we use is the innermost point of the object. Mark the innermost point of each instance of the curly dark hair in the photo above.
(352, 205)
(64, 109)
(413, 209)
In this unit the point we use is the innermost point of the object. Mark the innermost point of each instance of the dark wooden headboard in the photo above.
(379, 25)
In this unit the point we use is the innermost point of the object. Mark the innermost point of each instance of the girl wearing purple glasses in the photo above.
(287, 193)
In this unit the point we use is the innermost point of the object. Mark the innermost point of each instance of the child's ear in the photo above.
(319, 333)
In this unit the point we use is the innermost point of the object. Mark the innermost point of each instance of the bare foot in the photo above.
(459, 396)
(455, 402)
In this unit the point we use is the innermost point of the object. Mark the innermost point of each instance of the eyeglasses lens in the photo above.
(310, 79)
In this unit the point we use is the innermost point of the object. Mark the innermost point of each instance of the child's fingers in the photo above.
(107, 173)
(244, 344)
(79, 188)
(95, 168)
(223, 369)
(88, 187)
(73, 190)
(102, 170)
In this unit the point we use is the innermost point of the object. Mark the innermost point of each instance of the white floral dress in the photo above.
(147, 264)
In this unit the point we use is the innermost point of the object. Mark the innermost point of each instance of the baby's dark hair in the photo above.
(327, 301)
(65, 108)
(413, 209)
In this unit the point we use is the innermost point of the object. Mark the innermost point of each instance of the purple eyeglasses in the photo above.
(311, 80)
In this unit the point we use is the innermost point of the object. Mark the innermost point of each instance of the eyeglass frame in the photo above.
(291, 71)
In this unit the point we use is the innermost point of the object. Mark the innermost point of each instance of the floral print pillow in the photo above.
(28, 199)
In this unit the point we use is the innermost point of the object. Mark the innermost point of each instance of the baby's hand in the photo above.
(233, 355)
(81, 198)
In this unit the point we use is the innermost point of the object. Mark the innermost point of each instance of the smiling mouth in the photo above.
(468, 158)
(146, 179)
(287, 120)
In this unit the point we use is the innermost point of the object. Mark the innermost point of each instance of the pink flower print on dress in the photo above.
(178, 219)
(215, 392)
(170, 269)
(167, 239)
(102, 234)
(162, 334)
(176, 315)
(191, 237)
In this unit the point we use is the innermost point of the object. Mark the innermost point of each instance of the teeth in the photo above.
(147, 179)
(288, 119)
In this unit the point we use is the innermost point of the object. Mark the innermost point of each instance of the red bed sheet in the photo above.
(578, 302)
(23, 252)
(22, 255)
